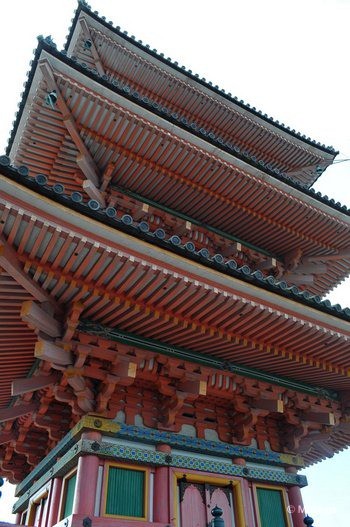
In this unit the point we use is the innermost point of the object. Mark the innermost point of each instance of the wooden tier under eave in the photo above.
(123, 60)
(132, 284)
(95, 140)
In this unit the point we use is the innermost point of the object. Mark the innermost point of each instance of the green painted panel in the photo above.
(271, 508)
(125, 492)
(70, 490)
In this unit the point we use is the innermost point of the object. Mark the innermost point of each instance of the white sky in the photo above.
(288, 58)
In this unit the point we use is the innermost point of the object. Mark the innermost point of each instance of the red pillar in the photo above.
(86, 486)
(296, 506)
(248, 510)
(161, 495)
(54, 503)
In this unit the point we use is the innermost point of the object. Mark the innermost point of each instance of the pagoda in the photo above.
(165, 344)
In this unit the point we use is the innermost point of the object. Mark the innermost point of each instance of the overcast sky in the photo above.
(289, 59)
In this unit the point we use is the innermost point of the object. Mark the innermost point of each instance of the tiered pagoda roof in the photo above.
(157, 232)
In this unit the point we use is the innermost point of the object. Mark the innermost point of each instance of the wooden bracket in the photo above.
(31, 384)
(48, 351)
(39, 319)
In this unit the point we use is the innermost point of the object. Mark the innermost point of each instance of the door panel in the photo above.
(196, 500)
(222, 497)
(192, 505)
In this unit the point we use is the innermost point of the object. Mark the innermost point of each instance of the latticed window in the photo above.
(69, 492)
(126, 489)
(271, 507)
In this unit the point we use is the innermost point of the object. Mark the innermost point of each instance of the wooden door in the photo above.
(196, 500)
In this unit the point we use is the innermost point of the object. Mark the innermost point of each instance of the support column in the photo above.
(54, 503)
(86, 486)
(296, 506)
(248, 511)
(161, 499)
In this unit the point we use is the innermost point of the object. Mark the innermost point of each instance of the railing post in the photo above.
(217, 521)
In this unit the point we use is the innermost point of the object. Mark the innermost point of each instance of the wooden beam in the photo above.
(272, 405)
(9, 262)
(7, 414)
(31, 384)
(107, 176)
(141, 211)
(299, 279)
(314, 437)
(183, 228)
(311, 268)
(231, 249)
(197, 387)
(320, 417)
(7, 436)
(270, 263)
(34, 315)
(125, 369)
(93, 192)
(87, 163)
(329, 257)
(48, 351)
(309, 167)
(87, 35)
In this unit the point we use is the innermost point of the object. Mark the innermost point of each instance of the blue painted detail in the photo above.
(76, 197)
(93, 204)
(58, 188)
(127, 219)
(41, 179)
(111, 212)
(143, 226)
(160, 234)
(175, 240)
(180, 461)
(150, 435)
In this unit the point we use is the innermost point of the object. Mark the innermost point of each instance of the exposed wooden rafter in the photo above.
(31, 384)
(94, 52)
(329, 257)
(9, 262)
(84, 159)
(7, 414)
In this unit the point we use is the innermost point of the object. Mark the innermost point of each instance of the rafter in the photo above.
(9, 262)
(84, 160)
(310, 268)
(299, 279)
(7, 414)
(236, 335)
(87, 35)
(6, 436)
(328, 257)
(31, 384)
(321, 166)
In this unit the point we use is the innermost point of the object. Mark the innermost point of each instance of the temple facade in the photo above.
(165, 344)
